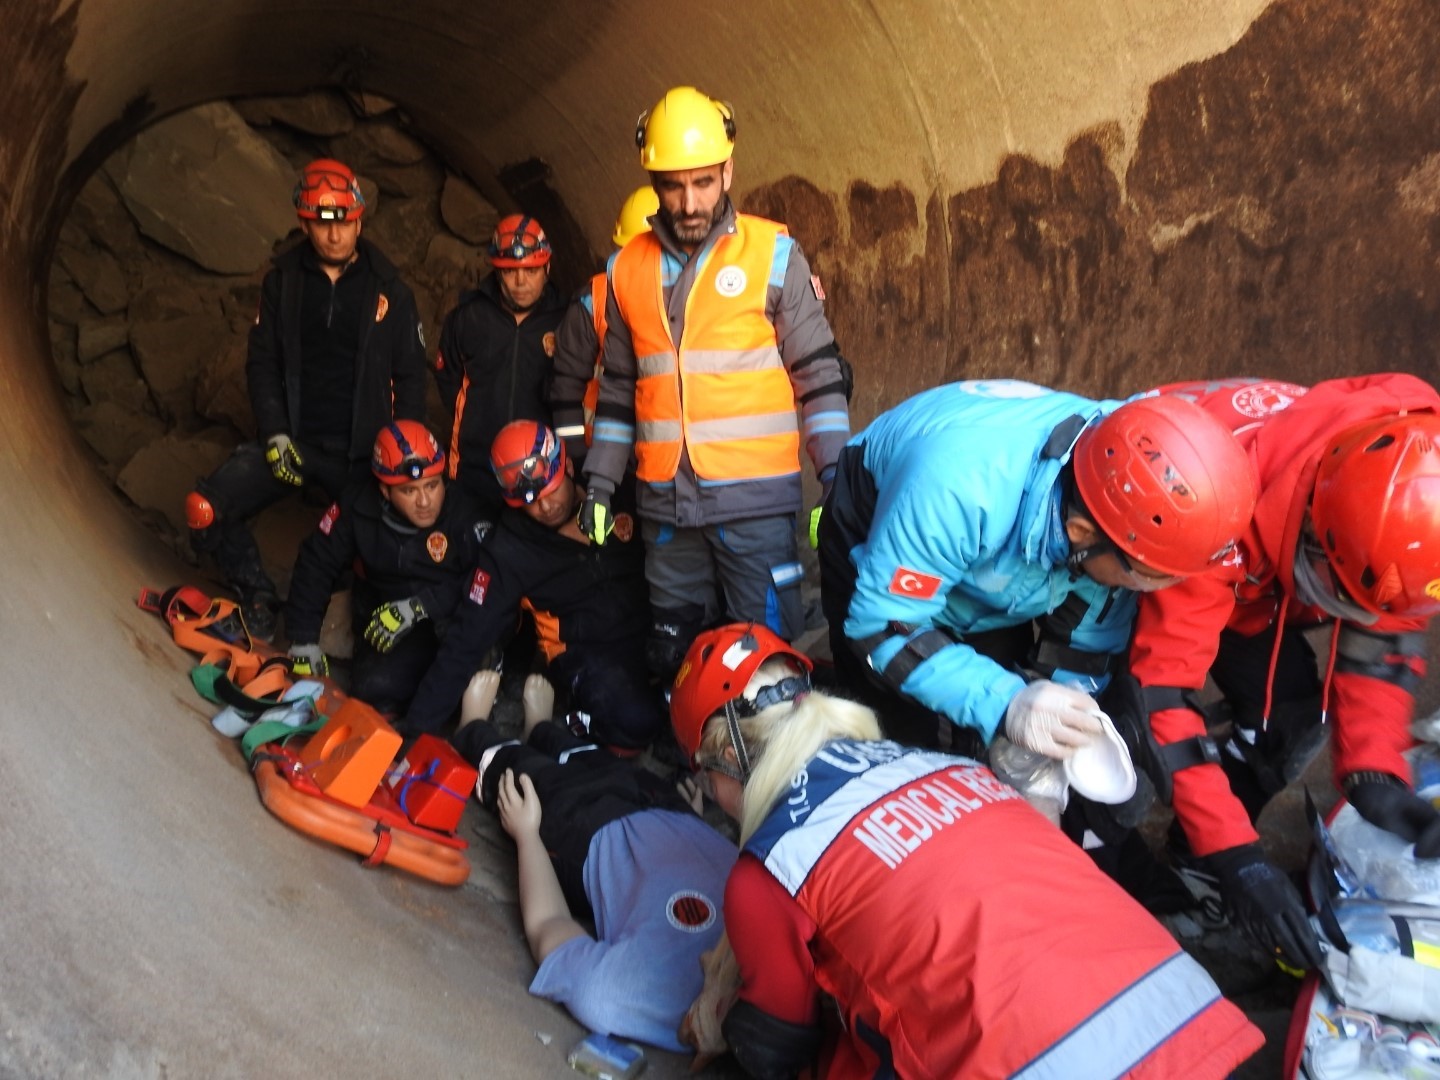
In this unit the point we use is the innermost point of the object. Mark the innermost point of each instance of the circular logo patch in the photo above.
(1265, 398)
(437, 544)
(730, 281)
(624, 527)
(690, 912)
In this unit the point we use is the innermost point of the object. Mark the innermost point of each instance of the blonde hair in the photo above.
(782, 738)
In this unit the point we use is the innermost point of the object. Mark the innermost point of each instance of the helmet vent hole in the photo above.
(1380, 444)
(1367, 578)
(1157, 520)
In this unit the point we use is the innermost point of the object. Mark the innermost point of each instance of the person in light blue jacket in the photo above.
(983, 542)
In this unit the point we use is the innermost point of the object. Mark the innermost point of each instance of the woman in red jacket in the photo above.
(956, 932)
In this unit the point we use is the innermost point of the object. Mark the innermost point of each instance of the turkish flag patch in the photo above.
(816, 287)
(913, 583)
(479, 585)
(331, 516)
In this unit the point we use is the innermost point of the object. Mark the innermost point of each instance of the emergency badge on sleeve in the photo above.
(913, 583)
(479, 585)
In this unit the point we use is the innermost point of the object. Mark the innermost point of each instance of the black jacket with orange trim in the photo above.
(582, 596)
(491, 370)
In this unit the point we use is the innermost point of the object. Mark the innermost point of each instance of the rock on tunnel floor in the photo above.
(1098, 195)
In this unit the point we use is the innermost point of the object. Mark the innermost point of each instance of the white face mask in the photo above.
(1316, 585)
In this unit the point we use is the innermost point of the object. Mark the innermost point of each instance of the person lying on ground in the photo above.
(600, 838)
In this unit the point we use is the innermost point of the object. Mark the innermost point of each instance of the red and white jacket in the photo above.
(960, 933)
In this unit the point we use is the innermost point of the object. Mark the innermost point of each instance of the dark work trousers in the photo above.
(612, 685)
(581, 788)
(240, 488)
(1293, 735)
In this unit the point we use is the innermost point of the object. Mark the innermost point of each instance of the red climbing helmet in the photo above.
(528, 460)
(404, 451)
(1166, 483)
(327, 191)
(1376, 513)
(519, 241)
(716, 670)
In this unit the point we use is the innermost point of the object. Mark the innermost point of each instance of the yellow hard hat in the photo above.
(641, 203)
(685, 130)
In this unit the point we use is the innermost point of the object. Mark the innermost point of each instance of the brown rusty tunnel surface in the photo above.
(1099, 197)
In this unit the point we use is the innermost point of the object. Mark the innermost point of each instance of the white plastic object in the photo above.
(1102, 770)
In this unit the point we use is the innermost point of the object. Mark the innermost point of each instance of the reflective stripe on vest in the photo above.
(1130, 1026)
(727, 397)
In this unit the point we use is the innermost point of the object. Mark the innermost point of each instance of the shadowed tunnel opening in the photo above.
(1102, 198)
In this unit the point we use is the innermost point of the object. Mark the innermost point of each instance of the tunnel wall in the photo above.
(1099, 195)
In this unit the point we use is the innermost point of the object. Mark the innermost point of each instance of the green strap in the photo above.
(268, 731)
(203, 677)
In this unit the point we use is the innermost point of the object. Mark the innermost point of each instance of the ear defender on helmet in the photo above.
(685, 130)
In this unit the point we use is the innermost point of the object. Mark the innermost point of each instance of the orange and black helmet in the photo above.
(528, 460)
(518, 241)
(327, 191)
(404, 451)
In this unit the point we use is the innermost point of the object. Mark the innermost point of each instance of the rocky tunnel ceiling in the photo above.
(1097, 195)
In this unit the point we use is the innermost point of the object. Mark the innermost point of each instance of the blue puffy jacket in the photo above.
(957, 525)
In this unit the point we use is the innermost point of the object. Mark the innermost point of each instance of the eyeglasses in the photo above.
(706, 783)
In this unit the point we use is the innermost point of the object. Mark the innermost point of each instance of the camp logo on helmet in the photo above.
(1432, 588)
(730, 281)
(436, 545)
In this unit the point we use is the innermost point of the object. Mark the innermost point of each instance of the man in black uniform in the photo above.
(336, 351)
(411, 544)
(589, 602)
(496, 352)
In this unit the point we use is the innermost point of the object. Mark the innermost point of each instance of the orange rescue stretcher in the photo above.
(338, 786)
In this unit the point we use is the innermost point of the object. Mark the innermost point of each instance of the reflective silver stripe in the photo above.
(655, 364)
(730, 428)
(797, 852)
(1131, 1025)
(657, 431)
(729, 361)
(567, 430)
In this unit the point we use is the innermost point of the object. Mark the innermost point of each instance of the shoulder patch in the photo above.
(913, 583)
(331, 516)
(816, 287)
(382, 308)
(624, 527)
(479, 586)
(548, 343)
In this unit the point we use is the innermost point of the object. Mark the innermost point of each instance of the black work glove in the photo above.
(1264, 903)
(1388, 803)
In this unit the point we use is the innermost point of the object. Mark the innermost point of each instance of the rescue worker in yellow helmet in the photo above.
(575, 380)
(715, 334)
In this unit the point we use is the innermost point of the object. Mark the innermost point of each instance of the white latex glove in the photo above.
(1051, 719)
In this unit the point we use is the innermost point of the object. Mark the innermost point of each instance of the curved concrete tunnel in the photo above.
(1101, 196)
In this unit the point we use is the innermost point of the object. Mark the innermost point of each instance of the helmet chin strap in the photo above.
(737, 740)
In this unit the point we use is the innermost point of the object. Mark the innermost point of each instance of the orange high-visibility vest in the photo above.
(599, 289)
(724, 393)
